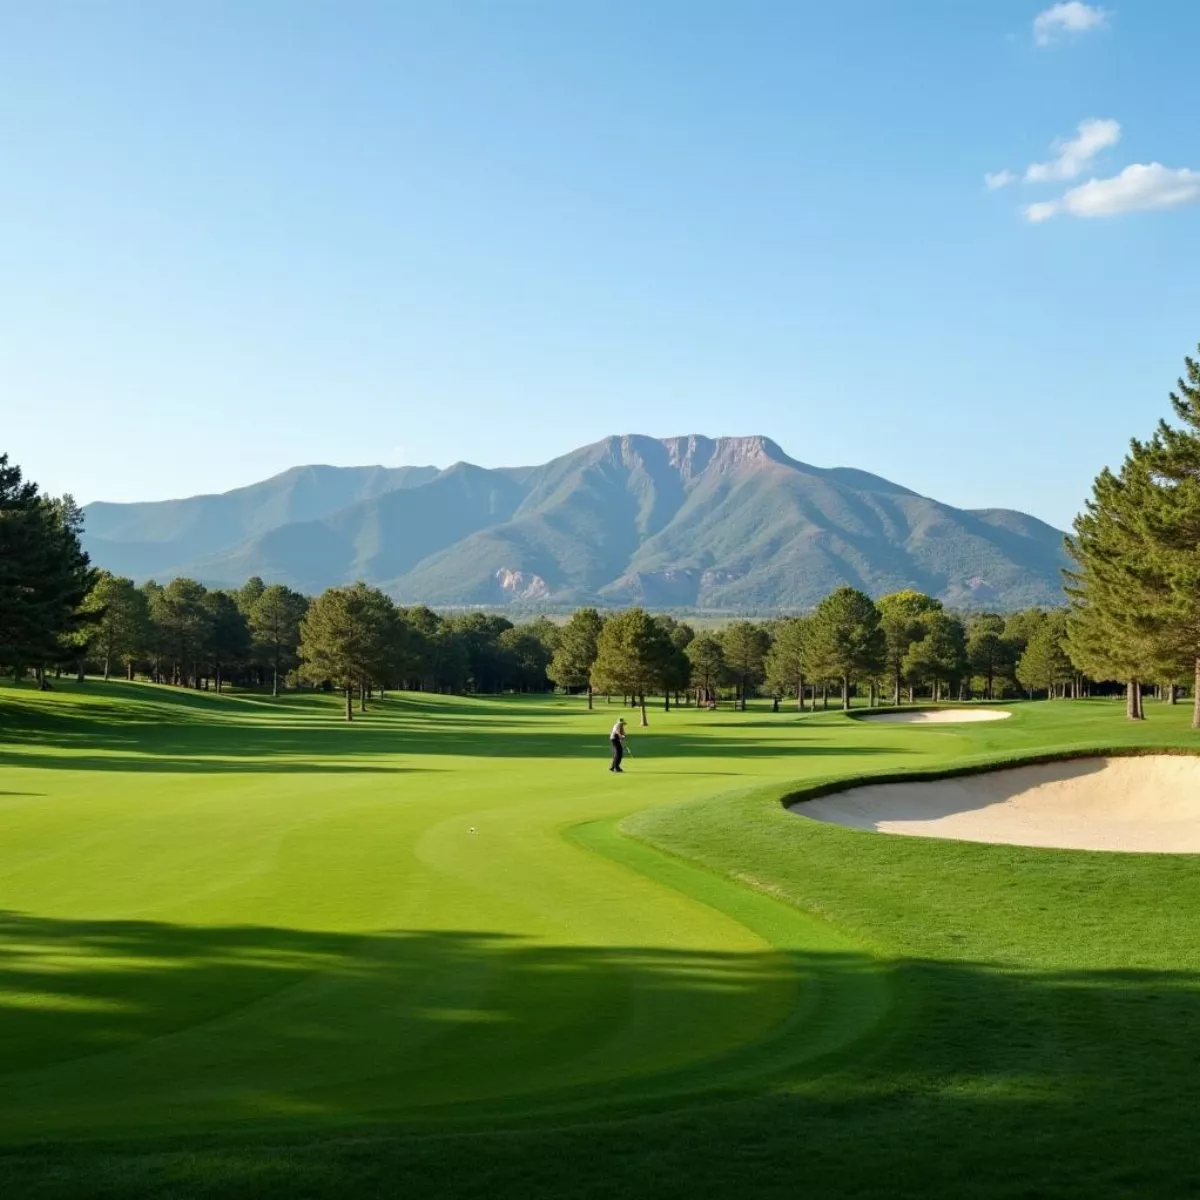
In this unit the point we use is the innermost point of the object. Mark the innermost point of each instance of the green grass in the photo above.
(247, 950)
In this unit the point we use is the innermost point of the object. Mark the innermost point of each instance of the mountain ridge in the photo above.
(689, 521)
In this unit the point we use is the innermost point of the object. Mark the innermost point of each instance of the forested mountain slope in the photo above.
(725, 523)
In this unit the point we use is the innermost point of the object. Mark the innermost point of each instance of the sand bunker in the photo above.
(937, 716)
(1148, 803)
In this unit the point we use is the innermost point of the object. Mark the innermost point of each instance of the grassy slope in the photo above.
(227, 915)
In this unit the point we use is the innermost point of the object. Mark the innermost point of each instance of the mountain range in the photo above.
(690, 522)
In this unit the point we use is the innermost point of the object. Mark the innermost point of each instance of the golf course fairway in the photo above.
(248, 949)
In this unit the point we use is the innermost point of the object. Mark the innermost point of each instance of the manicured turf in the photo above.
(248, 950)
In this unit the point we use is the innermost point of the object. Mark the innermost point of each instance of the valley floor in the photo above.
(249, 950)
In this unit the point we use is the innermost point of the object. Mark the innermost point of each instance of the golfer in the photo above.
(617, 738)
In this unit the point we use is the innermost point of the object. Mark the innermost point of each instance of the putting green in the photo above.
(240, 920)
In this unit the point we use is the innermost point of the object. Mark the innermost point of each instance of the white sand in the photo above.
(1147, 804)
(937, 716)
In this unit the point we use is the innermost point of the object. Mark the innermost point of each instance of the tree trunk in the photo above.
(1196, 697)
(896, 689)
(911, 694)
(824, 696)
(874, 700)
(129, 670)
(107, 664)
(589, 697)
(645, 719)
(349, 703)
(1133, 700)
(79, 671)
(800, 693)
(1172, 693)
(845, 693)
(275, 680)
(666, 701)
(362, 697)
(217, 679)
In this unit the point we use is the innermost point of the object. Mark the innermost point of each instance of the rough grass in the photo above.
(246, 950)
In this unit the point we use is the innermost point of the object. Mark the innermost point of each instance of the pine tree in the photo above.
(182, 621)
(846, 639)
(986, 650)
(275, 616)
(631, 654)
(228, 635)
(786, 661)
(571, 666)
(745, 645)
(903, 618)
(707, 661)
(1171, 525)
(1045, 663)
(1115, 628)
(347, 638)
(940, 656)
(118, 615)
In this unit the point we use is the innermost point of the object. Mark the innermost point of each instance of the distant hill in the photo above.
(725, 523)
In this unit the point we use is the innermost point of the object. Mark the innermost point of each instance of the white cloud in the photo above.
(1071, 17)
(1041, 212)
(1075, 156)
(998, 179)
(1141, 187)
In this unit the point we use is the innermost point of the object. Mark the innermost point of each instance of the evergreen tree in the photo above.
(247, 596)
(1171, 526)
(745, 645)
(1114, 627)
(631, 653)
(182, 621)
(940, 657)
(384, 647)
(903, 616)
(707, 661)
(19, 501)
(571, 666)
(526, 658)
(677, 669)
(1045, 663)
(987, 652)
(227, 642)
(44, 575)
(275, 616)
(345, 639)
(786, 662)
(118, 614)
(846, 639)
(480, 635)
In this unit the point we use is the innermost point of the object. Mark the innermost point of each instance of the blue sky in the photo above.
(238, 237)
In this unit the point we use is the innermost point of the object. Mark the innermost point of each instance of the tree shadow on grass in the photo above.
(86, 737)
(983, 1081)
(157, 763)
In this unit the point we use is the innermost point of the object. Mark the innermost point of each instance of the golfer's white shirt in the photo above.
(617, 732)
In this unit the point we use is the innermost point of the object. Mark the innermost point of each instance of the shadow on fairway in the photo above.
(189, 732)
(986, 1081)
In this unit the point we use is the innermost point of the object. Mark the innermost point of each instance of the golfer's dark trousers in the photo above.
(618, 753)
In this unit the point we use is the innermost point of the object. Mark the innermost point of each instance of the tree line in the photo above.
(1134, 591)
(357, 640)
(1133, 616)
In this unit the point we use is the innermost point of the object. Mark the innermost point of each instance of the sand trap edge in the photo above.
(931, 716)
(790, 800)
